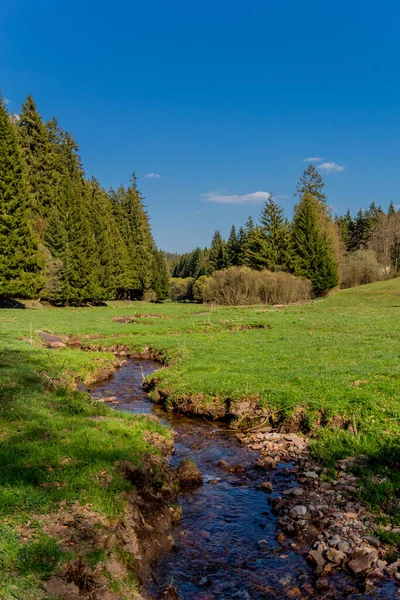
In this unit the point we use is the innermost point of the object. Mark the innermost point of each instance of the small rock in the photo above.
(362, 563)
(280, 537)
(299, 510)
(263, 544)
(335, 556)
(311, 475)
(266, 486)
(374, 541)
(317, 554)
(343, 547)
(256, 446)
(223, 464)
(188, 474)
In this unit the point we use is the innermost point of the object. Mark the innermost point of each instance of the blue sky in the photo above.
(220, 98)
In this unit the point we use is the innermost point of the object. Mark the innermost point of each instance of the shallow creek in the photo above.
(226, 546)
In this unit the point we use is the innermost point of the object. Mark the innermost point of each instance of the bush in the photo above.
(241, 285)
(149, 296)
(361, 267)
(200, 289)
(181, 289)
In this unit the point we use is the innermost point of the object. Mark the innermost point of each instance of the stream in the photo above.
(226, 543)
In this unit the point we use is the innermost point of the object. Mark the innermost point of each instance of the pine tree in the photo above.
(217, 256)
(311, 182)
(232, 249)
(20, 260)
(313, 254)
(391, 209)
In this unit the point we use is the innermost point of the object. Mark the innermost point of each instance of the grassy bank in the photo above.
(61, 493)
(331, 365)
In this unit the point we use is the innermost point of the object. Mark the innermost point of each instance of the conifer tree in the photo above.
(232, 249)
(311, 182)
(135, 229)
(246, 235)
(391, 209)
(35, 149)
(241, 238)
(217, 255)
(269, 246)
(112, 253)
(344, 224)
(160, 283)
(20, 260)
(314, 258)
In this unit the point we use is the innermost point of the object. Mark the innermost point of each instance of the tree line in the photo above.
(64, 238)
(313, 245)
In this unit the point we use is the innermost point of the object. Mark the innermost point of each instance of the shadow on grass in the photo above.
(52, 448)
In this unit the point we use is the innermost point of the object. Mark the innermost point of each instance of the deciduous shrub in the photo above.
(200, 289)
(361, 267)
(149, 296)
(181, 289)
(241, 285)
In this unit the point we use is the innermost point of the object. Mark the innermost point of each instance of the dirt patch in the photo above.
(124, 320)
(247, 326)
(135, 318)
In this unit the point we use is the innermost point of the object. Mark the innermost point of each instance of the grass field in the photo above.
(337, 358)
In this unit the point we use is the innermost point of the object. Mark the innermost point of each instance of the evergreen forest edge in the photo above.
(65, 239)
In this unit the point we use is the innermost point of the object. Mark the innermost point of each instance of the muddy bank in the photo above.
(132, 542)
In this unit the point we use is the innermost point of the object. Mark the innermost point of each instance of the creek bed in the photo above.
(226, 543)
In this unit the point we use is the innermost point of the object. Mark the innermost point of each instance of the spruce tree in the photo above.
(313, 253)
(232, 249)
(344, 224)
(311, 182)
(35, 149)
(217, 255)
(160, 283)
(135, 230)
(113, 259)
(245, 239)
(277, 236)
(20, 260)
(391, 209)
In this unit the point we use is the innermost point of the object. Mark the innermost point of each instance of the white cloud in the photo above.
(254, 198)
(313, 159)
(15, 118)
(153, 176)
(6, 100)
(331, 167)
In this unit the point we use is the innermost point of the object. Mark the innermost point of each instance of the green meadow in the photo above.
(335, 362)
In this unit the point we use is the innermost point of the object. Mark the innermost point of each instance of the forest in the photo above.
(67, 240)
(63, 238)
